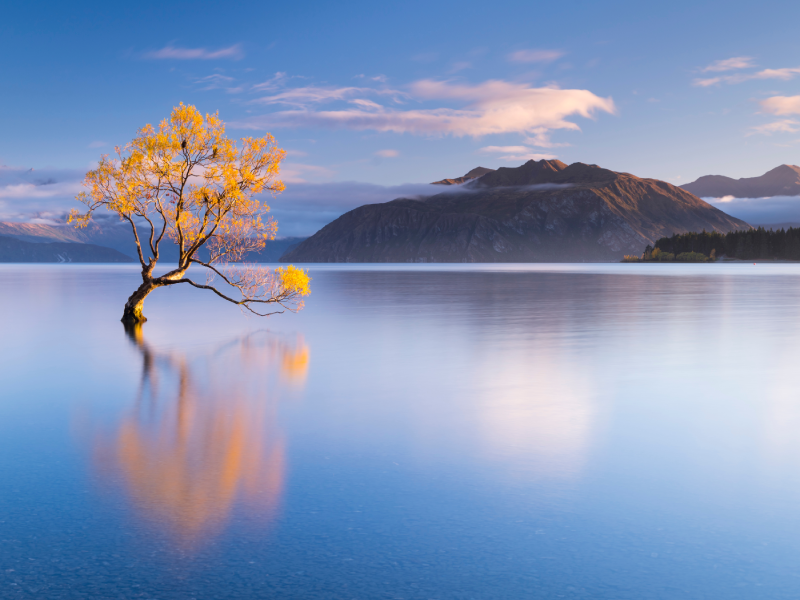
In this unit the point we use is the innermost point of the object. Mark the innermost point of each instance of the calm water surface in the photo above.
(521, 431)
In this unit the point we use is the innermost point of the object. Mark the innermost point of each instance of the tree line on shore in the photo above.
(746, 244)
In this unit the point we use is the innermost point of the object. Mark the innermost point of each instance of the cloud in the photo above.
(216, 81)
(305, 208)
(535, 56)
(541, 137)
(781, 105)
(24, 192)
(273, 83)
(502, 149)
(488, 108)
(234, 52)
(378, 78)
(300, 173)
(760, 211)
(302, 97)
(387, 153)
(97, 144)
(730, 64)
(516, 153)
(460, 66)
(782, 126)
(527, 157)
(782, 74)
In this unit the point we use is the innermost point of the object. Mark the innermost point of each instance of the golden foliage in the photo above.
(186, 181)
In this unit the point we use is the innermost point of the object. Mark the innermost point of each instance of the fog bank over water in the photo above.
(773, 211)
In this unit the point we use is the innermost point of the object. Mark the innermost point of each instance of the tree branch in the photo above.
(244, 302)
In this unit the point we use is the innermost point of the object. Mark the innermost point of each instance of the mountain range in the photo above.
(543, 211)
(14, 250)
(104, 234)
(473, 174)
(780, 181)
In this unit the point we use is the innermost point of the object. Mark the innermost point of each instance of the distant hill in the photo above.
(13, 250)
(780, 181)
(117, 235)
(474, 174)
(542, 211)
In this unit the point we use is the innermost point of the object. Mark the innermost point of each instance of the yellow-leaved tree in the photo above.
(186, 182)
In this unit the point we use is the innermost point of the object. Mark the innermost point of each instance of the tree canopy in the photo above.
(188, 183)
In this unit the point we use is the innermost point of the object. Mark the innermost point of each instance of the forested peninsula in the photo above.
(747, 244)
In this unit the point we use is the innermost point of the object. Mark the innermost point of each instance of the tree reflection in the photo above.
(201, 439)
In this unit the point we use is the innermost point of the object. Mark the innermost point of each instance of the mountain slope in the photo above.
(540, 211)
(473, 174)
(111, 233)
(13, 250)
(780, 181)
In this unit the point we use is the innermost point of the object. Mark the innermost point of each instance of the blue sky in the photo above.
(390, 94)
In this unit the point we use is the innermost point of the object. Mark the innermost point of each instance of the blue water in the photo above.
(520, 431)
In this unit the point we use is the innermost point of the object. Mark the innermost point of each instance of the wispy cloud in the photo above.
(305, 208)
(460, 66)
(300, 173)
(97, 144)
(782, 126)
(306, 96)
(730, 64)
(234, 52)
(516, 153)
(782, 74)
(500, 149)
(487, 108)
(535, 56)
(24, 192)
(541, 137)
(214, 81)
(378, 78)
(781, 105)
(387, 153)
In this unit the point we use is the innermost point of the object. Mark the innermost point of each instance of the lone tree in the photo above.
(188, 183)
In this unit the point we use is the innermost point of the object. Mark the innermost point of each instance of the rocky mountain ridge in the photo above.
(780, 181)
(473, 174)
(543, 211)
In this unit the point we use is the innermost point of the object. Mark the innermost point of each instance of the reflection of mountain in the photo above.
(198, 442)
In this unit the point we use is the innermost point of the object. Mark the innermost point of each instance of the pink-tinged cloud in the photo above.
(387, 153)
(490, 108)
(781, 105)
(535, 56)
(730, 64)
(782, 126)
(528, 156)
(234, 52)
(504, 149)
(305, 96)
(782, 74)
(516, 153)
(302, 173)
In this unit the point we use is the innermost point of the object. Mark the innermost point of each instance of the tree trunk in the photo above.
(133, 307)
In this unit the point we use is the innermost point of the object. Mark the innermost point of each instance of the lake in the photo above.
(417, 432)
